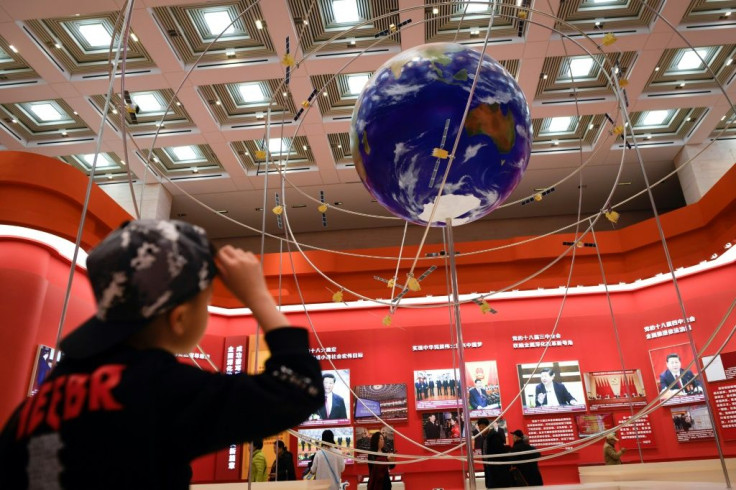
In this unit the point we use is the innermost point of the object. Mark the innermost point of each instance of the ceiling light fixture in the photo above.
(146, 102)
(345, 11)
(654, 118)
(692, 59)
(656, 68)
(96, 35)
(46, 112)
(13, 48)
(558, 124)
(357, 82)
(183, 153)
(57, 45)
(219, 21)
(259, 24)
(580, 67)
(133, 37)
(435, 10)
(195, 170)
(230, 53)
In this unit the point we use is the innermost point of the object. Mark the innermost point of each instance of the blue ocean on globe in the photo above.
(400, 118)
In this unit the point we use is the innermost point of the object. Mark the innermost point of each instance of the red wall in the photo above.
(33, 279)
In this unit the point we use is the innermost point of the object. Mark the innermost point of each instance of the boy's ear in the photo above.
(176, 319)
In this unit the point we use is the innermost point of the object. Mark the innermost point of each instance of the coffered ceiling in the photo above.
(213, 99)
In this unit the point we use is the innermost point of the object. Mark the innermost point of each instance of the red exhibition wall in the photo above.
(33, 279)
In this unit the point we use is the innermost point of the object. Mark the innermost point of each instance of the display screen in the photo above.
(551, 387)
(310, 444)
(336, 410)
(388, 401)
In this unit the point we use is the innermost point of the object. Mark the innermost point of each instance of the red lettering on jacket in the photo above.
(39, 406)
(52, 414)
(102, 382)
(25, 411)
(76, 394)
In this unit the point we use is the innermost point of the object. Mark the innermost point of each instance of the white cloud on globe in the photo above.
(450, 206)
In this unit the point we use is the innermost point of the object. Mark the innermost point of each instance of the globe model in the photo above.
(412, 108)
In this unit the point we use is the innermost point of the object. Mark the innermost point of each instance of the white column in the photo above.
(697, 177)
(156, 203)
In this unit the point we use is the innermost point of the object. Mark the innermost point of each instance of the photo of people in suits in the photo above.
(692, 423)
(552, 387)
(676, 381)
(337, 400)
(484, 394)
(441, 428)
(437, 388)
(310, 443)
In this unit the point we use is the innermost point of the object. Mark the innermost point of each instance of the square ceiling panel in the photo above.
(193, 30)
(461, 21)
(44, 122)
(567, 132)
(726, 128)
(586, 76)
(337, 94)
(286, 154)
(109, 167)
(330, 27)
(247, 104)
(185, 161)
(685, 68)
(340, 147)
(80, 45)
(577, 16)
(666, 124)
(14, 70)
(706, 13)
(145, 111)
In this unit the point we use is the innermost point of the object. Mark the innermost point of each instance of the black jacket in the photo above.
(137, 418)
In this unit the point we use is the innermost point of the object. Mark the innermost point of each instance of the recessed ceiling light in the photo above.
(558, 124)
(230, 53)
(183, 153)
(357, 82)
(435, 11)
(345, 11)
(219, 21)
(178, 103)
(13, 48)
(133, 37)
(277, 146)
(474, 6)
(75, 113)
(95, 34)
(692, 59)
(251, 92)
(580, 67)
(103, 160)
(304, 147)
(555, 142)
(325, 94)
(729, 61)
(653, 118)
(57, 45)
(146, 102)
(544, 76)
(114, 111)
(15, 121)
(46, 112)
(217, 102)
(259, 24)
(284, 94)
(63, 132)
(195, 170)
(656, 68)
(306, 22)
(727, 14)
(681, 84)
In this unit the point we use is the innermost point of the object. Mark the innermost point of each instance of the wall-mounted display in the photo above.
(607, 390)
(669, 364)
(386, 401)
(437, 388)
(551, 387)
(441, 428)
(591, 424)
(336, 410)
(306, 449)
(484, 394)
(722, 368)
(41, 366)
(363, 441)
(692, 423)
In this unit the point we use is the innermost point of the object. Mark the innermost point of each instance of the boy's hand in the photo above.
(241, 272)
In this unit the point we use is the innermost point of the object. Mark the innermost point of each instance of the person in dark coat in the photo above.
(497, 475)
(530, 471)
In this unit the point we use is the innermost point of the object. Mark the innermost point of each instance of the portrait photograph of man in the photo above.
(337, 400)
(552, 387)
(677, 379)
(484, 394)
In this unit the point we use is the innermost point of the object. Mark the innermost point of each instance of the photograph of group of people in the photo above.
(306, 449)
(551, 387)
(484, 394)
(386, 401)
(692, 423)
(615, 389)
(363, 441)
(441, 428)
(675, 379)
(336, 409)
(437, 388)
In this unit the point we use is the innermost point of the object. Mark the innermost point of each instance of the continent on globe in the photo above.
(490, 121)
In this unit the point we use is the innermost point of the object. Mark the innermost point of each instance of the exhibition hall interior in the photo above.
(513, 210)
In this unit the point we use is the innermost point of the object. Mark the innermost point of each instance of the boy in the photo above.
(119, 411)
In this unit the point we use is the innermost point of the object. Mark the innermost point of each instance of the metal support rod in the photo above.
(460, 354)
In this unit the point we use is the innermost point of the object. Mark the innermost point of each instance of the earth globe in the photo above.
(410, 112)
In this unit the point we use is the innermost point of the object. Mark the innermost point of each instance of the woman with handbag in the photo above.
(328, 465)
(378, 477)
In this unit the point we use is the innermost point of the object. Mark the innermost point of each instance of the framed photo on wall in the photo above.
(606, 390)
(551, 387)
(336, 410)
(669, 364)
(386, 401)
(437, 388)
(484, 393)
(42, 363)
(308, 446)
